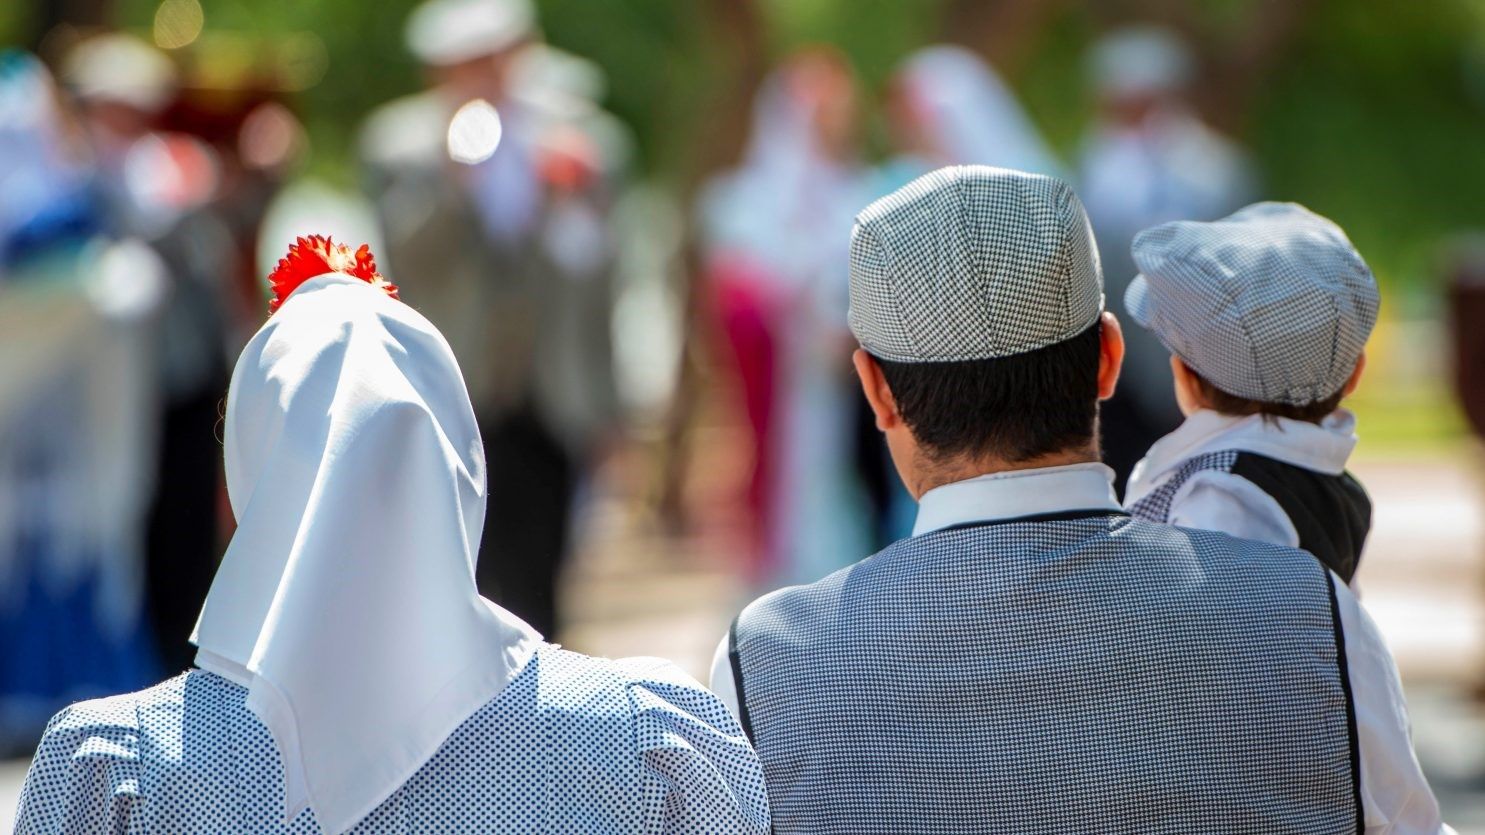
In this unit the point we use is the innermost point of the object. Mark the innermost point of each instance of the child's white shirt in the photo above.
(1222, 501)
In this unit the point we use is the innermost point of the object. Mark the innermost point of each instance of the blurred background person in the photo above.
(1148, 159)
(544, 245)
(165, 187)
(777, 274)
(78, 419)
(493, 188)
(946, 106)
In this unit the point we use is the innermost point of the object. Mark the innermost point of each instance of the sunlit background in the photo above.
(630, 219)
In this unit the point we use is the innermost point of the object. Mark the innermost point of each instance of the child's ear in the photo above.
(1355, 380)
(1188, 393)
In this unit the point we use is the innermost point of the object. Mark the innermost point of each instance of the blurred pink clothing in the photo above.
(749, 315)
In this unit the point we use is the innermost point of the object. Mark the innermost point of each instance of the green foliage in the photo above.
(367, 61)
(874, 34)
(1370, 120)
(656, 59)
(1054, 83)
(14, 22)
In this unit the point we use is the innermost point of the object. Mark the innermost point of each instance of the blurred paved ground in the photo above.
(633, 591)
(1423, 581)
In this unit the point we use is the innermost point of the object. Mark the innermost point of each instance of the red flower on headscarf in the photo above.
(314, 256)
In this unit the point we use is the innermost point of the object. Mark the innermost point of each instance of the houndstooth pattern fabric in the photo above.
(1155, 505)
(972, 262)
(1271, 303)
(1091, 675)
(573, 745)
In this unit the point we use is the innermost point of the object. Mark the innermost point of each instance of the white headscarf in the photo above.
(974, 117)
(790, 203)
(346, 601)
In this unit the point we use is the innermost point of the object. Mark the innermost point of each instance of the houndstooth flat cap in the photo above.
(972, 262)
(1271, 303)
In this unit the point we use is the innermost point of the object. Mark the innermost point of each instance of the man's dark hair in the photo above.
(1230, 404)
(1013, 408)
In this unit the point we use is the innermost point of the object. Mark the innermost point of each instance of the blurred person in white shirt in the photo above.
(1148, 159)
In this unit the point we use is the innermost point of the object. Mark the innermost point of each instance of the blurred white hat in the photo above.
(1142, 59)
(120, 69)
(444, 32)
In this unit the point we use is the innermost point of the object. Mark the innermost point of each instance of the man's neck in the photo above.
(930, 473)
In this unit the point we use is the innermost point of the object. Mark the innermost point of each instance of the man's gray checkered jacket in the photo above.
(1088, 673)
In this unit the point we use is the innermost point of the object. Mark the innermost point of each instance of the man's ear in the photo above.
(1110, 355)
(878, 394)
(1355, 380)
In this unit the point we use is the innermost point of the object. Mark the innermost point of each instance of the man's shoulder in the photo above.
(820, 598)
(1215, 549)
(1147, 547)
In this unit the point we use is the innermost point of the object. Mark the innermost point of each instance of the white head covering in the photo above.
(444, 32)
(346, 601)
(789, 204)
(122, 69)
(974, 117)
(1140, 60)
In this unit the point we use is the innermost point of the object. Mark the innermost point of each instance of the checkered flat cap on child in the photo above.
(1271, 303)
(972, 262)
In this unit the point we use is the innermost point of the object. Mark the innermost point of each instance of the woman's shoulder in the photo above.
(690, 742)
(114, 719)
(579, 677)
(88, 761)
(656, 695)
(659, 686)
(117, 728)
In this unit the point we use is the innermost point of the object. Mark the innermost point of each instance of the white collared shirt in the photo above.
(1016, 493)
(1395, 796)
(1219, 501)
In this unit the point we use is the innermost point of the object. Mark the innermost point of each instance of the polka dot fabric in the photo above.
(1099, 674)
(972, 262)
(573, 745)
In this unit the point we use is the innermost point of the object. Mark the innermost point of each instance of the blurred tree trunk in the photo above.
(736, 34)
(1001, 30)
(1248, 62)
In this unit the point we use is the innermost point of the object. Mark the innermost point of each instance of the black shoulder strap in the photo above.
(1345, 672)
(734, 657)
(1331, 513)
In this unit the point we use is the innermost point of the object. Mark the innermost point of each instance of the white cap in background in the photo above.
(120, 69)
(1140, 60)
(445, 32)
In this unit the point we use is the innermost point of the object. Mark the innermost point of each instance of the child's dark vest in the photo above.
(1085, 672)
(1331, 513)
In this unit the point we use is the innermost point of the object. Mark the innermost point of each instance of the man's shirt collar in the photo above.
(1017, 493)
